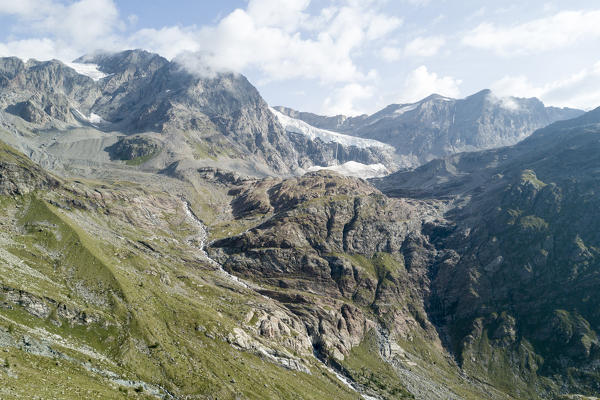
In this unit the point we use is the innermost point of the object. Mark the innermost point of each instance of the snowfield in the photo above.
(93, 119)
(353, 168)
(301, 127)
(90, 70)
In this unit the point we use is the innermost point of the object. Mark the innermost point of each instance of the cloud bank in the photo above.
(539, 35)
(581, 88)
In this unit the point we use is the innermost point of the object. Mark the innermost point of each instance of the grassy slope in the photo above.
(162, 316)
(153, 332)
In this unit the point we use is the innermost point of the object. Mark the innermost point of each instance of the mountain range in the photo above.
(137, 105)
(168, 235)
(438, 126)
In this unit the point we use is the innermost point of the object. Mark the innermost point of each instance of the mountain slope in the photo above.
(480, 285)
(148, 272)
(514, 303)
(105, 292)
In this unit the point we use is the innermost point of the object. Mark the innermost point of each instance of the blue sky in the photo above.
(337, 56)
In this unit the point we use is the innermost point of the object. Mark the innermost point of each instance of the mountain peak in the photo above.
(111, 63)
(480, 94)
(435, 96)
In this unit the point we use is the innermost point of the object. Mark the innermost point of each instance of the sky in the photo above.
(337, 56)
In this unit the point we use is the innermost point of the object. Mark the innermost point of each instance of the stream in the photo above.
(201, 237)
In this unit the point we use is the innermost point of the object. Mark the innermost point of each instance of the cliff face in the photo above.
(342, 239)
(19, 176)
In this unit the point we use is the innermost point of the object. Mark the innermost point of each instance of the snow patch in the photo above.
(353, 168)
(90, 70)
(297, 126)
(93, 119)
(405, 109)
(96, 119)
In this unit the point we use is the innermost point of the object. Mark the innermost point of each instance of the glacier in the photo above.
(356, 169)
(297, 126)
(90, 70)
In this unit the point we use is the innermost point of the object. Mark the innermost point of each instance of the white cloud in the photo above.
(282, 42)
(553, 32)
(133, 19)
(44, 49)
(238, 42)
(344, 99)
(418, 3)
(438, 19)
(581, 89)
(419, 47)
(62, 31)
(84, 22)
(477, 14)
(515, 86)
(321, 47)
(424, 46)
(271, 13)
(391, 54)
(380, 25)
(274, 41)
(24, 8)
(420, 83)
(507, 102)
(168, 41)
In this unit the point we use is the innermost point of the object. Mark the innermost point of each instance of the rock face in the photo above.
(132, 147)
(43, 308)
(40, 92)
(18, 175)
(145, 92)
(502, 272)
(439, 126)
(341, 238)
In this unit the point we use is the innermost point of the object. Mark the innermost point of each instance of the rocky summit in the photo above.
(166, 234)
